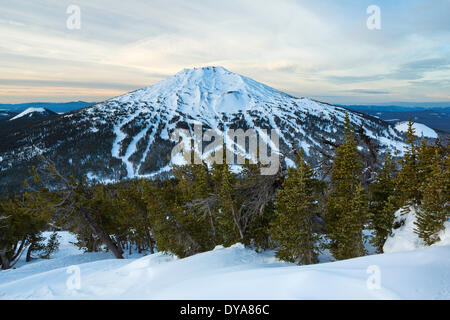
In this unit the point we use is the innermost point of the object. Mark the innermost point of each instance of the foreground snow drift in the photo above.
(230, 273)
(405, 238)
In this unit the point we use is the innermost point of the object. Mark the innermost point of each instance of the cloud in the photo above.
(369, 92)
(68, 84)
(415, 70)
(356, 79)
(302, 47)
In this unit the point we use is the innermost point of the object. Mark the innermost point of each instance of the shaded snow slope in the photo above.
(233, 273)
(420, 129)
(206, 90)
(405, 239)
(219, 99)
(29, 112)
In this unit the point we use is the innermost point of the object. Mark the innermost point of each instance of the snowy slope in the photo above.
(420, 129)
(33, 112)
(231, 273)
(220, 99)
(129, 136)
(405, 239)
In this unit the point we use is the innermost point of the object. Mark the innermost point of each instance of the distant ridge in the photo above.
(58, 107)
(435, 117)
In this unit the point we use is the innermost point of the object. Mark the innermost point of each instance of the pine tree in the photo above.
(346, 207)
(37, 244)
(22, 223)
(202, 190)
(408, 180)
(296, 205)
(229, 208)
(382, 207)
(256, 194)
(434, 210)
(51, 247)
(425, 157)
(193, 183)
(170, 225)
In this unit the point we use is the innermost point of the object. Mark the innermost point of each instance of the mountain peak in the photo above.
(207, 69)
(206, 89)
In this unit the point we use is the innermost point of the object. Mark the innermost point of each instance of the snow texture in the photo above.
(420, 129)
(235, 272)
(214, 96)
(405, 239)
(28, 112)
(136, 127)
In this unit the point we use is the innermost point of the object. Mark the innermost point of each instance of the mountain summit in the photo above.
(128, 136)
(207, 89)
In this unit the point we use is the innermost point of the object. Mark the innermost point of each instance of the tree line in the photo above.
(294, 212)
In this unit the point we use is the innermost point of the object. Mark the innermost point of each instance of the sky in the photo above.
(320, 49)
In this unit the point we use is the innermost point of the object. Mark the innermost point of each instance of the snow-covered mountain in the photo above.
(419, 129)
(128, 136)
(58, 107)
(11, 123)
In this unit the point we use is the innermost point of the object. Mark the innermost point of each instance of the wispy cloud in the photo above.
(369, 92)
(319, 48)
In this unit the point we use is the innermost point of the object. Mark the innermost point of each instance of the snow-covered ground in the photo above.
(28, 112)
(420, 129)
(404, 238)
(235, 272)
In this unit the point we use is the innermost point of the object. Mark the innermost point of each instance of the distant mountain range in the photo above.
(434, 116)
(58, 107)
(411, 105)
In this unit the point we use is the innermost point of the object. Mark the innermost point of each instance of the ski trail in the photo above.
(120, 137)
(151, 139)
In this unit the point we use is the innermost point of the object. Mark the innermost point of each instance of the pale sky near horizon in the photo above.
(320, 49)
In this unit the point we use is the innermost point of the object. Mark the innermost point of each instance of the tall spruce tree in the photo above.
(435, 208)
(296, 204)
(346, 207)
(408, 180)
(381, 206)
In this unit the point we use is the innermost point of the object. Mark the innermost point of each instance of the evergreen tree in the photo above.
(434, 210)
(408, 180)
(346, 207)
(75, 202)
(193, 184)
(382, 208)
(229, 215)
(36, 245)
(20, 227)
(296, 205)
(202, 189)
(256, 199)
(51, 247)
(175, 227)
